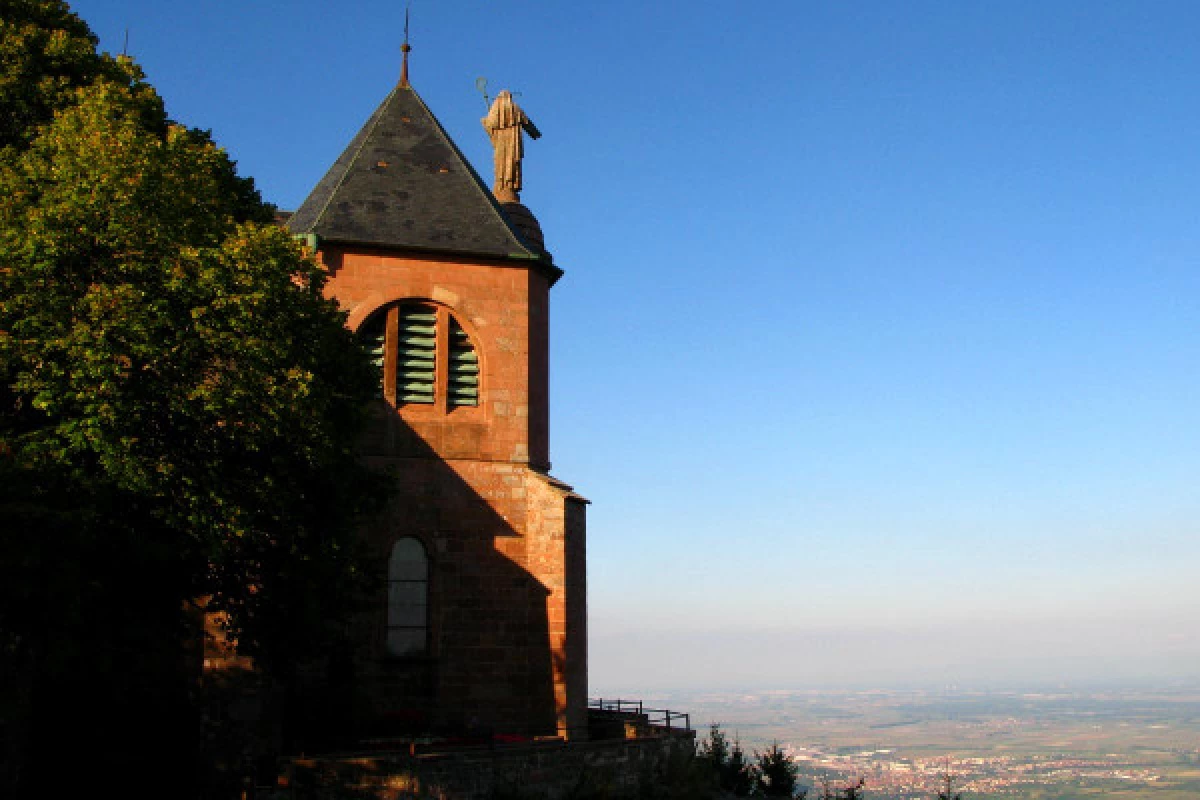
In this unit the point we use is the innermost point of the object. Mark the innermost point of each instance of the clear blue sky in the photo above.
(877, 349)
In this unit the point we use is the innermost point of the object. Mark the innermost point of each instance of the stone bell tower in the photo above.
(482, 621)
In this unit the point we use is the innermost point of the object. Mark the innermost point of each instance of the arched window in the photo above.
(408, 598)
(425, 356)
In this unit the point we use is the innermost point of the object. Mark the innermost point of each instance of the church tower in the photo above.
(481, 621)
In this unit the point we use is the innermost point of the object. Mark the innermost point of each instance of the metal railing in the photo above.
(656, 717)
(625, 706)
(666, 718)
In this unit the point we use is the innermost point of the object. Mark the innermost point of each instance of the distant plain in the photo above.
(1043, 744)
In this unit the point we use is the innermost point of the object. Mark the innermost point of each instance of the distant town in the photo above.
(1129, 744)
(890, 774)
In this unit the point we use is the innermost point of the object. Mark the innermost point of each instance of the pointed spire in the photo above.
(401, 183)
(405, 49)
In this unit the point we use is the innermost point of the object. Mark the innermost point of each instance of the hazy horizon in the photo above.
(981, 655)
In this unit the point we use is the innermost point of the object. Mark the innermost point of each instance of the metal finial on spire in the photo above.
(405, 49)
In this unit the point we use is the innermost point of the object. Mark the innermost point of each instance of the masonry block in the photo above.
(506, 614)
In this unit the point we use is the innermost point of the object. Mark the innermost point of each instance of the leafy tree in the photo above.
(776, 773)
(178, 410)
(46, 53)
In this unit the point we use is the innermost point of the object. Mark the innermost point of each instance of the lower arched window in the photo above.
(408, 598)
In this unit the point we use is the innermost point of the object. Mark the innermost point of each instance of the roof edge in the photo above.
(479, 184)
(552, 270)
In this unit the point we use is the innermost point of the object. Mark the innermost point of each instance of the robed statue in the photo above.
(504, 123)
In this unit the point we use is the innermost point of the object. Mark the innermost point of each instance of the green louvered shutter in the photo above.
(463, 383)
(415, 355)
(374, 336)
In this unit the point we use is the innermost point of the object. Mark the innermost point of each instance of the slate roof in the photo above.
(403, 184)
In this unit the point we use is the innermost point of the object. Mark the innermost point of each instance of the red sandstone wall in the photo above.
(557, 556)
(506, 543)
(504, 308)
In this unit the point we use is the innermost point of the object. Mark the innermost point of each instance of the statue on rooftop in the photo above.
(504, 123)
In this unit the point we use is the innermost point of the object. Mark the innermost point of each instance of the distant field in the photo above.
(1111, 791)
(1061, 745)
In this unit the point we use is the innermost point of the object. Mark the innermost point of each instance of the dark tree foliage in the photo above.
(734, 774)
(683, 775)
(177, 415)
(739, 775)
(776, 773)
(853, 791)
(46, 54)
(947, 791)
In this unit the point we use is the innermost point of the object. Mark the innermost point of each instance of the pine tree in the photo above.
(776, 773)
(738, 776)
(733, 773)
(947, 791)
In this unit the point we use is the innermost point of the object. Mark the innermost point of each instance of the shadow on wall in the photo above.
(487, 667)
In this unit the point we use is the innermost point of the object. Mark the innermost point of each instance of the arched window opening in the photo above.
(424, 355)
(408, 598)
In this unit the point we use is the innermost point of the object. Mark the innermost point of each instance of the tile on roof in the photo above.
(403, 183)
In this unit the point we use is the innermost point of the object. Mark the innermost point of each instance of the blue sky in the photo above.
(877, 349)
